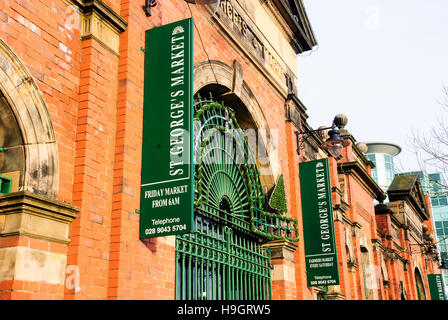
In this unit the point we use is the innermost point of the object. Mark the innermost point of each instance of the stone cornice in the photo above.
(282, 249)
(295, 110)
(39, 205)
(383, 209)
(355, 169)
(408, 188)
(88, 7)
(357, 153)
(422, 212)
(98, 21)
(303, 39)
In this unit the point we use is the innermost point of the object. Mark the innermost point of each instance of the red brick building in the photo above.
(71, 103)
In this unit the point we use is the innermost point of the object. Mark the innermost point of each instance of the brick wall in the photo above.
(46, 40)
(49, 47)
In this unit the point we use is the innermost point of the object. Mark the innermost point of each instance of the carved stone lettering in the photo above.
(232, 19)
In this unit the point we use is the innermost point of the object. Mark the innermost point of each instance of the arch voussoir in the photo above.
(40, 168)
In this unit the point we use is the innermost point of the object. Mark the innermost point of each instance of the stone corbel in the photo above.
(334, 293)
(295, 110)
(390, 255)
(98, 21)
(282, 250)
(351, 262)
(355, 227)
(405, 265)
(352, 265)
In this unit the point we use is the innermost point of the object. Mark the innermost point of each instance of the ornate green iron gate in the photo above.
(224, 257)
(216, 262)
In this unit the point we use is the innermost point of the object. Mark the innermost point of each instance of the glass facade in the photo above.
(435, 186)
(389, 168)
(384, 171)
(372, 158)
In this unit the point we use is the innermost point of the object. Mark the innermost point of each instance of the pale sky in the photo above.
(382, 63)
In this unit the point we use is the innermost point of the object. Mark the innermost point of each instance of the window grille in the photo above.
(224, 258)
(217, 263)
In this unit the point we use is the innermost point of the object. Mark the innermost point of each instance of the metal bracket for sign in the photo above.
(148, 5)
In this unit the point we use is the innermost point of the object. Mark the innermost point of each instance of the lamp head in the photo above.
(335, 143)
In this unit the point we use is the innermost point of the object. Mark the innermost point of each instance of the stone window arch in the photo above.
(384, 272)
(350, 251)
(368, 270)
(26, 131)
(402, 291)
(226, 83)
(421, 295)
(229, 197)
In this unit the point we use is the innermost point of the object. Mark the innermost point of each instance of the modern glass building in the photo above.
(438, 192)
(435, 185)
(382, 154)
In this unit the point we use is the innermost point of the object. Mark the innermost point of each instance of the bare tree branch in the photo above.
(431, 150)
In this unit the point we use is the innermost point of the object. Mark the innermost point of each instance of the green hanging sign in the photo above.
(436, 287)
(318, 224)
(167, 175)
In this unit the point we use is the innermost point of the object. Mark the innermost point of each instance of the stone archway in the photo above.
(39, 170)
(31, 210)
(228, 83)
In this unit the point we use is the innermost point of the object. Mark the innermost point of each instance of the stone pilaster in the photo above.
(283, 277)
(335, 295)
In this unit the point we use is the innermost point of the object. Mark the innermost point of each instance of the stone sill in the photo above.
(28, 214)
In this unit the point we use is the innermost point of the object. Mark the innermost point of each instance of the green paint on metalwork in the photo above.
(224, 257)
(5, 185)
(218, 120)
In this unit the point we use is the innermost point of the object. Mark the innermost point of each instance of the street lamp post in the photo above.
(334, 144)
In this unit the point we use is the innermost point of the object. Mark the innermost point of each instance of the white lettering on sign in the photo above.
(166, 195)
(177, 133)
(324, 223)
(161, 192)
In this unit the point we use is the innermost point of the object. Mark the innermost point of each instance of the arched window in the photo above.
(402, 291)
(223, 258)
(368, 272)
(420, 286)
